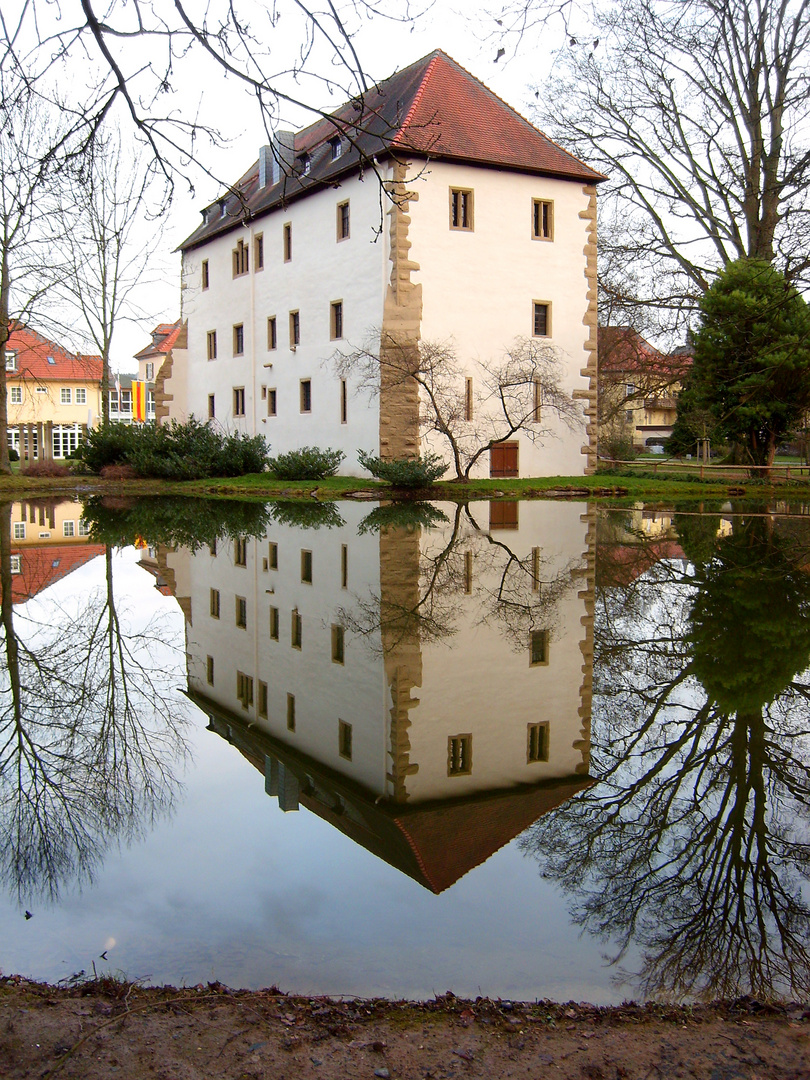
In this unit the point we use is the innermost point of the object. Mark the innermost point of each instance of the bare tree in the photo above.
(698, 113)
(130, 59)
(28, 261)
(522, 392)
(105, 261)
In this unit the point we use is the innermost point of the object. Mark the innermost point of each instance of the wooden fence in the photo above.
(730, 472)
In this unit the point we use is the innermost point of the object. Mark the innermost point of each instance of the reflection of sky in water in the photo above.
(231, 888)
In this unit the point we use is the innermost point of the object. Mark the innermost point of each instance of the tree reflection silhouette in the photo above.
(91, 734)
(694, 847)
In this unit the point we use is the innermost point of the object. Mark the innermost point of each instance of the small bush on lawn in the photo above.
(12, 454)
(108, 444)
(405, 472)
(308, 463)
(46, 468)
(119, 472)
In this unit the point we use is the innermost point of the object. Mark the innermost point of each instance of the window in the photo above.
(263, 699)
(258, 252)
(271, 403)
(306, 395)
(209, 670)
(150, 374)
(504, 514)
(84, 528)
(241, 258)
(295, 329)
(11, 360)
(272, 334)
(461, 209)
(537, 404)
(468, 399)
(343, 221)
(287, 235)
(238, 339)
(296, 629)
(345, 740)
(459, 755)
(240, 551)
(536, 743)
(16, 564)
(535, 569)
(338, 653)
(629, 390)
(272, 555)
(542, 320)
(212, 407)
(81, 395)
(344, 566)
(42, 389)
(244, 689)
(542, 219)
(241, 612)
(538, 648)
(150, 402)
(468, 572)
(503, 459)
(336, 147)
(274, 624)
(344, 402)
(306, 567)
(19, 530)
(16, 395)
(68, 528)
(205, 277)
(212, 549)
(290, 712)
(211, 344)
(336, 319)
(214, 603)
(126, 401)
(65, 439)
(304, 164)
(65, 395)
(239, 401)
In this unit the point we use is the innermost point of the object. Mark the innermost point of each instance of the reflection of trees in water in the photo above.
(695, 845)
(90, 733)
(515, 594)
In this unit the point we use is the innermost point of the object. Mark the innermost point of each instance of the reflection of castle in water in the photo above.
(425, 690)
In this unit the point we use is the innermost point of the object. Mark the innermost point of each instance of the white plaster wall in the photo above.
(477, 683)
(478, 287)
(322, 270)
(325, 692)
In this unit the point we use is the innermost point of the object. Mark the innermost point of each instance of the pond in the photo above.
(536, 749)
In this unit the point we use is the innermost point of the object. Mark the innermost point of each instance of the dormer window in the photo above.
(11, 361)
(304, 164)
(223, 208)
(336, 146)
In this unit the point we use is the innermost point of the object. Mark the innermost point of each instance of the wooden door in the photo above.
(503, 459)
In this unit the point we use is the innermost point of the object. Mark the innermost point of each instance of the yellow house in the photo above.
(54, 396)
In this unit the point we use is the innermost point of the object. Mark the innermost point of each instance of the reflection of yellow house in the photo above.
(53, 396)
(48, 540)
(430, 724)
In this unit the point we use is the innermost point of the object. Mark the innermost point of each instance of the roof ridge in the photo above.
(418, 95)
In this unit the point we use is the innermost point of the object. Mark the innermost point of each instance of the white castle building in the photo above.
(426, 211)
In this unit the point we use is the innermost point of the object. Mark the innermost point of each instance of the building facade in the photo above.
(54, 396)
(429, 212)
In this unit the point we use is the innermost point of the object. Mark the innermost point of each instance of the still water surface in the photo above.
(525, 750)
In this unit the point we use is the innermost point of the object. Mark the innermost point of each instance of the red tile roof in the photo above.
(33, 351)
(622, 350)
(434, 109)
(42, 566)
(168, 334)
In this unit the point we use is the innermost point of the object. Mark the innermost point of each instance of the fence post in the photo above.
(701, 470)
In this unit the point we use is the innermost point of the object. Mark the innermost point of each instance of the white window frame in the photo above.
(65, 396)
(81, 395)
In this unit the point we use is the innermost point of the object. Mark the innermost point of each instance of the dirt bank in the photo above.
(108, 1029)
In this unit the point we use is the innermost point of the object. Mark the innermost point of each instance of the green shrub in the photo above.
(405, 472)
(306, 515)
(12, 454)
(402, 515)
(173, 451)
(308, 463)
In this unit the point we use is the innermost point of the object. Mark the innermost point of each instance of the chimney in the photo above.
(283, 152)
(265, 165)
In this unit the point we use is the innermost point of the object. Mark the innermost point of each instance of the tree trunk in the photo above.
(5, 466)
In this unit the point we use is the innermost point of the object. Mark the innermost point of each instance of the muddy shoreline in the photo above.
(108, 1028)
